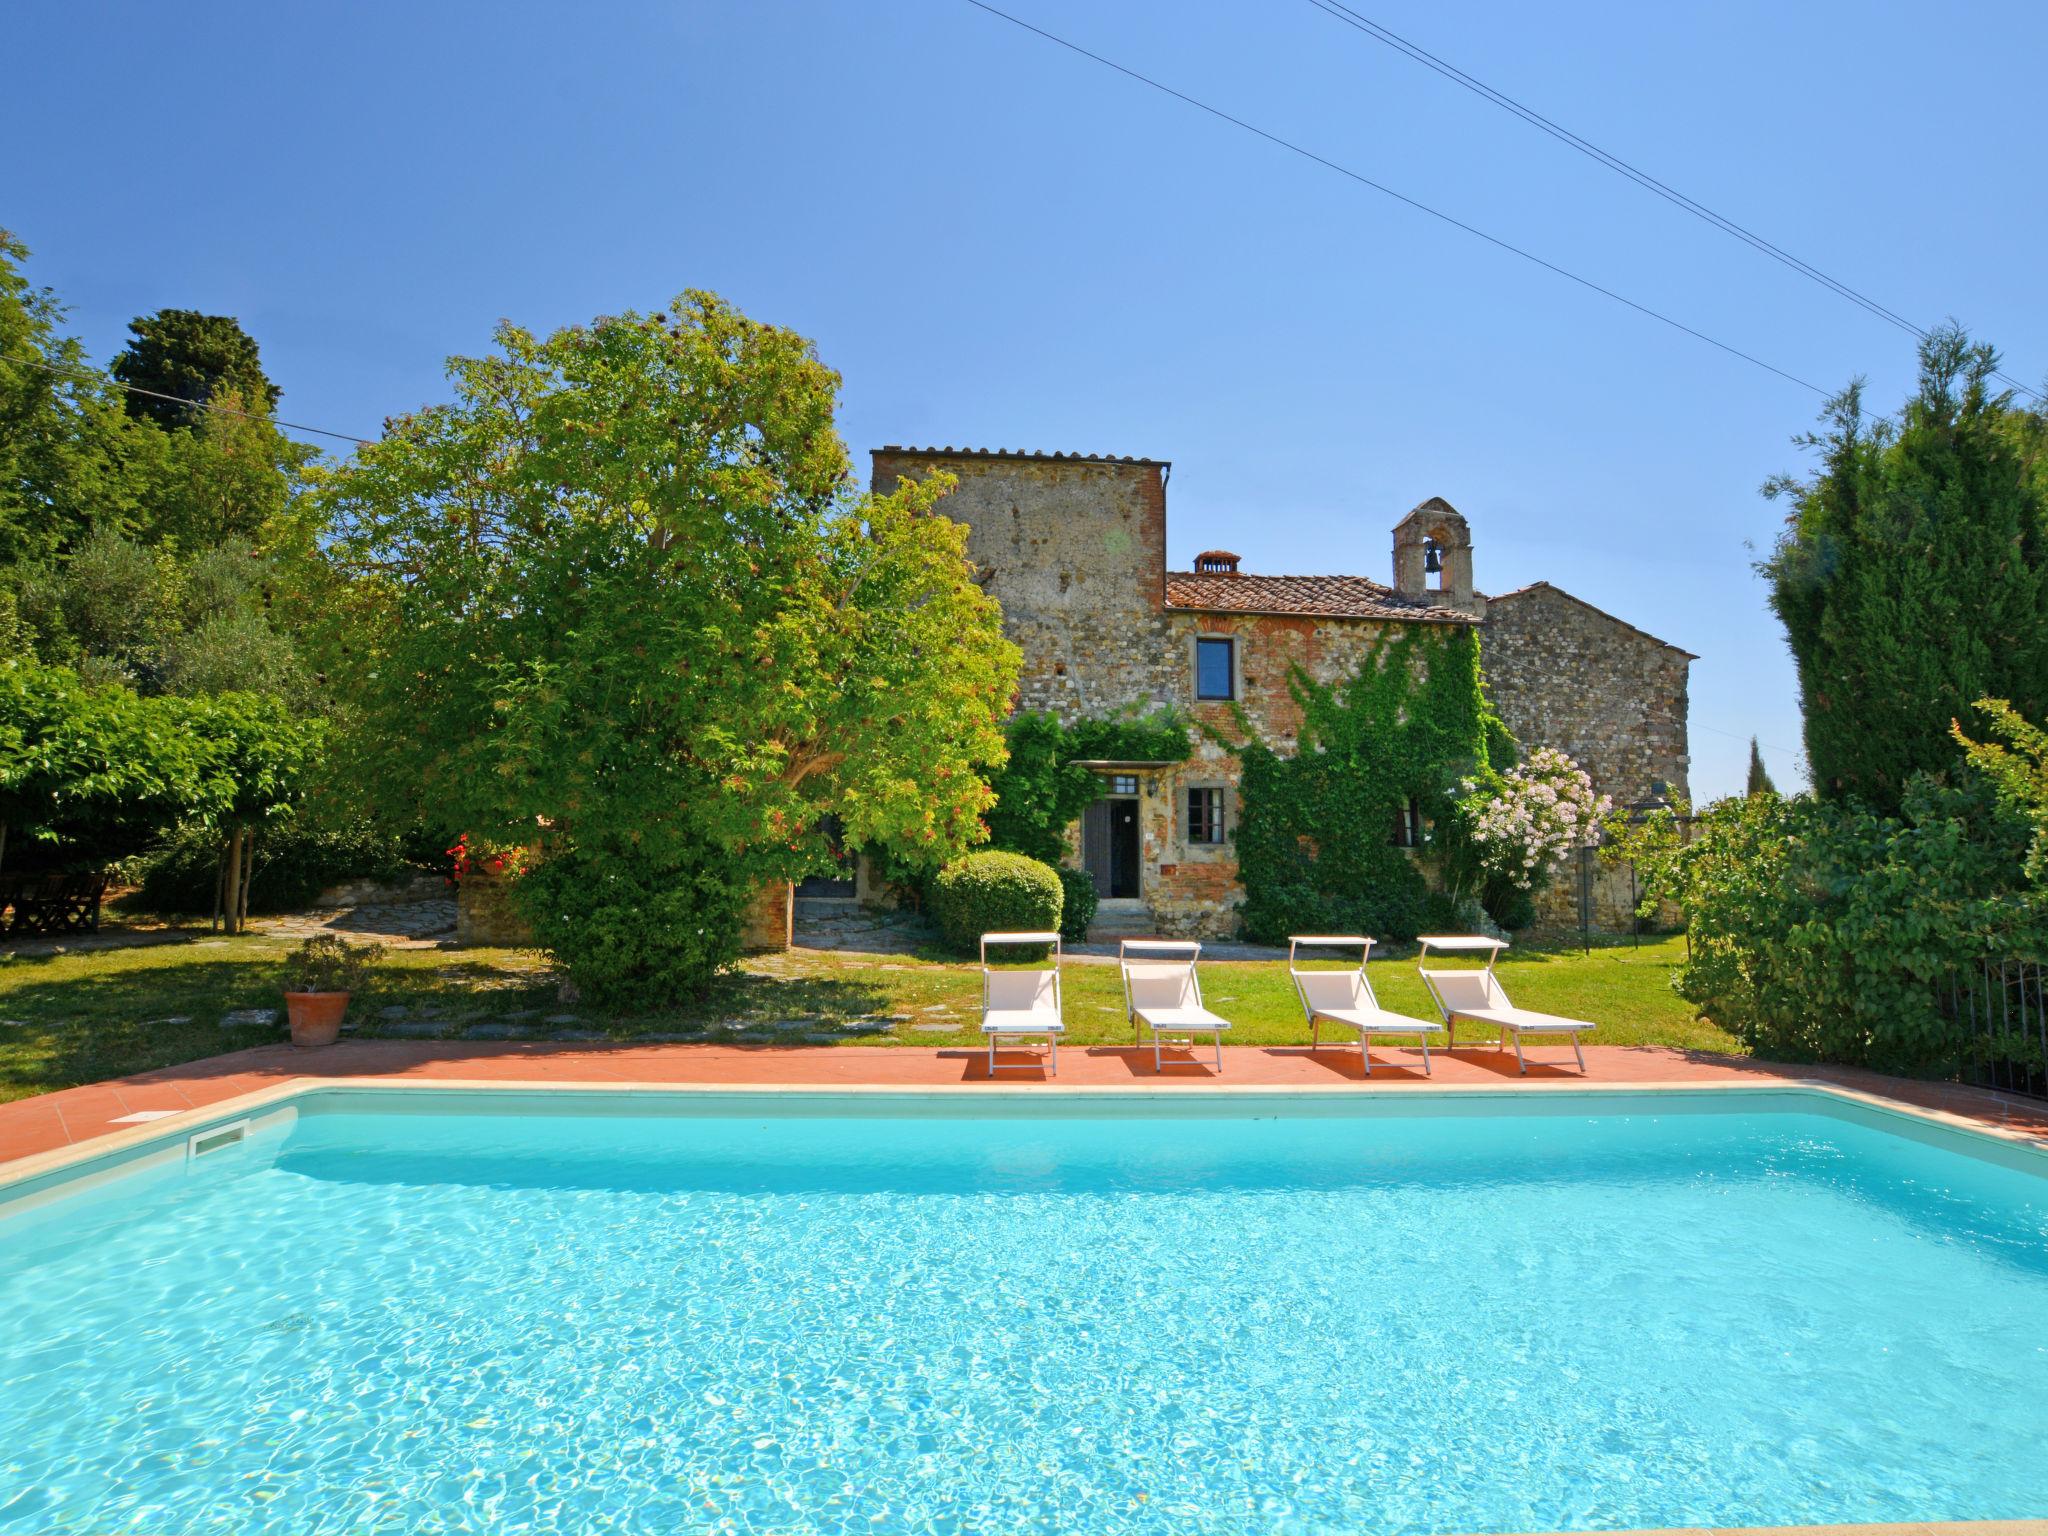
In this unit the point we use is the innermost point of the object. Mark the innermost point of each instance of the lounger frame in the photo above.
(1362, 994)
(1446, 944)
(1054, 1027)
(1168, 952)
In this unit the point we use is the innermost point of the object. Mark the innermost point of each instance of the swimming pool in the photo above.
(454, 1311)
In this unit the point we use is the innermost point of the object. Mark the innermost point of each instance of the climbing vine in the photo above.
(1041, 792)
(1315, 837)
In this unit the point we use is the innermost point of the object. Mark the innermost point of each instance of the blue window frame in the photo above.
(1215, 667)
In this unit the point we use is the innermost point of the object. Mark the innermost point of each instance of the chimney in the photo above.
(1215, 562)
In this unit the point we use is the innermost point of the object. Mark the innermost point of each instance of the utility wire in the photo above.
(1715, 730)
(1338, 11)
(1401, 197)
(91, 377)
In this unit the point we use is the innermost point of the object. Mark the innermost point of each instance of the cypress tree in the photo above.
(1759, 776)
(1912, 575)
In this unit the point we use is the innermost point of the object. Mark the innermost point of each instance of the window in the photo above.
(1123, 783)
(1205, 815)
(1408, 825)
(1215, 667)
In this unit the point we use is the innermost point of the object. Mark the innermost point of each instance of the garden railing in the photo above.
(2002, 1007)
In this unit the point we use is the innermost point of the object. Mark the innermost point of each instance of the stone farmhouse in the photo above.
(1074, 548)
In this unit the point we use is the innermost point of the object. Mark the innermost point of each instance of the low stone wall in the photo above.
(371, 893)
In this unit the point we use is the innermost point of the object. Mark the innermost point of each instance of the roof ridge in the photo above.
(1612, 618)
(1062, 455)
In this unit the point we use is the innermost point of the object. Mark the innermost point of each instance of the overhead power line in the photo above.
(1338, 11)
(89, 376)
(1401, 197)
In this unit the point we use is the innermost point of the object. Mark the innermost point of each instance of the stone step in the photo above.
(1100, 932)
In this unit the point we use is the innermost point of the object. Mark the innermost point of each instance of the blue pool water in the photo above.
(1653, 1314)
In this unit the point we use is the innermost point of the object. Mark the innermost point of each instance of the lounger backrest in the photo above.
(1161, 983)
(1326, 991)
(1468, 989)
(1024, 990)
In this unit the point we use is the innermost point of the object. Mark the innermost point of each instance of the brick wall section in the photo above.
(1192, 887)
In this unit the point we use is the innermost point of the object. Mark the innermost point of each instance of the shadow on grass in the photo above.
(102, 1023)
(89, 1026)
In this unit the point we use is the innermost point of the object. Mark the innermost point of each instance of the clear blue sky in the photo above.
(998, 243)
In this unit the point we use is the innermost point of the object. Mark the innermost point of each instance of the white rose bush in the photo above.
(1532, 816)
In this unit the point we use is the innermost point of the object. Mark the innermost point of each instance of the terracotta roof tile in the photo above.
(1344, 597)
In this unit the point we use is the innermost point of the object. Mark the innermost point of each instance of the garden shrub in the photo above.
(634, 937)
(1509, 831)
(1077, 909)
(995, 892)
(1825, 932)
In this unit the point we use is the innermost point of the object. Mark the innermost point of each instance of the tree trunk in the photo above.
(220, 885)
(232, 881)
(248, 875)
(3, 842)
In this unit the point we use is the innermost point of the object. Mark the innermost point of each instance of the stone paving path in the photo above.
(399, 925)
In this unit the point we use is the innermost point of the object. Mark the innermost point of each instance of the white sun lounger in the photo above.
(1345, 998)
(1163, 994)
(1477, 996)
(1022, 1004)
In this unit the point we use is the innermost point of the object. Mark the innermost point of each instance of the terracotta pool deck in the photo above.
(53, 1122)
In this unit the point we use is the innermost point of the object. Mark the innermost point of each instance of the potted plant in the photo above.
(318, 977)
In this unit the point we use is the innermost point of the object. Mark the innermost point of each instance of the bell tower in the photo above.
(1433, 555)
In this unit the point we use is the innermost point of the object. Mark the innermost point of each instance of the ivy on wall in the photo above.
(1315, 832)
(1041, 792)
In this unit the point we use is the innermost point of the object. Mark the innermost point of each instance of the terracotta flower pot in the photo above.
(315, 1016)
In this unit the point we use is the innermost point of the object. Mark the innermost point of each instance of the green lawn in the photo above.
(84, 1016)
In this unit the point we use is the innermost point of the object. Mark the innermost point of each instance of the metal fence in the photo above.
(2002, 1005)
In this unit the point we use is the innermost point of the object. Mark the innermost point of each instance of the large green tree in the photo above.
(1912, 576)
(618, 598)
(178, 361)
(65, 447)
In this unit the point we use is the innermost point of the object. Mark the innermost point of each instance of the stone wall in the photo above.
(1075, 551)
(769, 921)
(1074, 548)
(1564, 674)
(485, 915)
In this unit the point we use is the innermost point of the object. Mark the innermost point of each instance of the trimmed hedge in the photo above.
(995, 893)
(1079, 908)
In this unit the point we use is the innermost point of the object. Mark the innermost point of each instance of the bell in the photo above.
(1432, 560)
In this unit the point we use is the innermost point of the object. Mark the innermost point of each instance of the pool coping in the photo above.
(1904, 1528)
(119, 1149)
